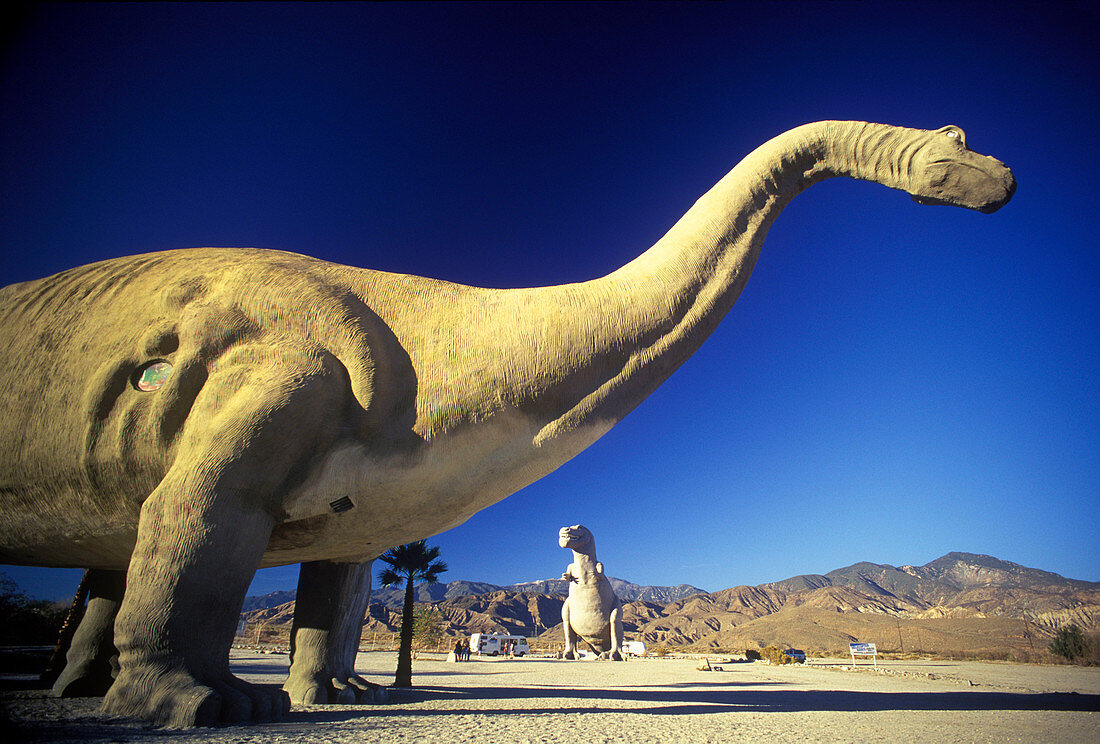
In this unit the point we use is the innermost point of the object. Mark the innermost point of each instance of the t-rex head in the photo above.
(943, 170)
(577, 537)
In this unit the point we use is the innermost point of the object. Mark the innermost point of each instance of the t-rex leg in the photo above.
(570, 634)
(617, 633)
(329, 608)
(92, 662)
(203, 530)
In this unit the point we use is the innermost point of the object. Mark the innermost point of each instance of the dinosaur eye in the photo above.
(152, 376)
(952, 134)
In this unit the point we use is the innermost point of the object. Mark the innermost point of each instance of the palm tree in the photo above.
(409, 563)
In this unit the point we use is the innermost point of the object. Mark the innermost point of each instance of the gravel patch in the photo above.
(643, 700)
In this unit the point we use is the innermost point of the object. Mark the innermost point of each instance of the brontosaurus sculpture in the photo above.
(193, 415)
(592, 612)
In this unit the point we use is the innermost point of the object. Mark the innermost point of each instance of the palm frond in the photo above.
(431, 574)
(389, 577)
(415, 561)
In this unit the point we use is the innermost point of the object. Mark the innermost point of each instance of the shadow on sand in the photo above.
(683, 700)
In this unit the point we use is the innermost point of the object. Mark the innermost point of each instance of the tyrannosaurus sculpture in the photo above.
(592, 612)
(190, 416)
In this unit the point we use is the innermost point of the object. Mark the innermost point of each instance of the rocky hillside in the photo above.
(959, 604)
(265, 601)
(393, 596)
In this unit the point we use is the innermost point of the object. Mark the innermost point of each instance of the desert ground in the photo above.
(641, 700)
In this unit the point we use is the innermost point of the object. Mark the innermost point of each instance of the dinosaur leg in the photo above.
(56, 665)
(203, 530)
(570, 634)
(617, 634)
(329, 608)
(186, 582)
(92, 661)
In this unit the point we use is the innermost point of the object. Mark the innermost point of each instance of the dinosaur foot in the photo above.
(569, 655)
(175, 699)
(365, 692)
(341, 690)
(84, 680)
(616, 656)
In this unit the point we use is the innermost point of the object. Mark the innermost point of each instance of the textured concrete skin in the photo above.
(317, 412)
(592, 612)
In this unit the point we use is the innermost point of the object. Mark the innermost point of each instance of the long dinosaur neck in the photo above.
(658, 309)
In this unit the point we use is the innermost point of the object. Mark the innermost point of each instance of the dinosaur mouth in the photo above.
(567, 534)
(988, 207)
(933, 201)
(986, 192)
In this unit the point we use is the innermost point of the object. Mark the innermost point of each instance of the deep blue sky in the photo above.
(895, 383)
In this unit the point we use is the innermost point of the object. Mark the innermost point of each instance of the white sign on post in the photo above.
(863, 649)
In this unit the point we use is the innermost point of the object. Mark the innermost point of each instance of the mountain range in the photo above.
(960, 604)
(440, 592)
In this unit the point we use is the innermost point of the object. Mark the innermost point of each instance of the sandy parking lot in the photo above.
(643, 700)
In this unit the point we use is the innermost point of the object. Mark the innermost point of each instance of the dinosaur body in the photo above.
(404, 424)
(193, 415)
(592, 612)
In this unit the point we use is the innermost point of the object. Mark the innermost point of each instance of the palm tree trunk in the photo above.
(404, 653)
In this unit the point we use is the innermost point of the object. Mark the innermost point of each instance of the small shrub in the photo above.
(660, 651)
(25, 621)
(776, 656)
(427, 629)
(752, 654)
(1071, 644)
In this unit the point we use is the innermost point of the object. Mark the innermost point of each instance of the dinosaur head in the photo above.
(944, 170)
(577, 537)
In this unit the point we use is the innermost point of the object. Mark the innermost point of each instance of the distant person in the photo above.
(458, 651)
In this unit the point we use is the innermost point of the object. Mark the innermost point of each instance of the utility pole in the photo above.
(900, 644)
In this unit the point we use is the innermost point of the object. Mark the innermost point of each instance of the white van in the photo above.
(634, 648)
(494, 644)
